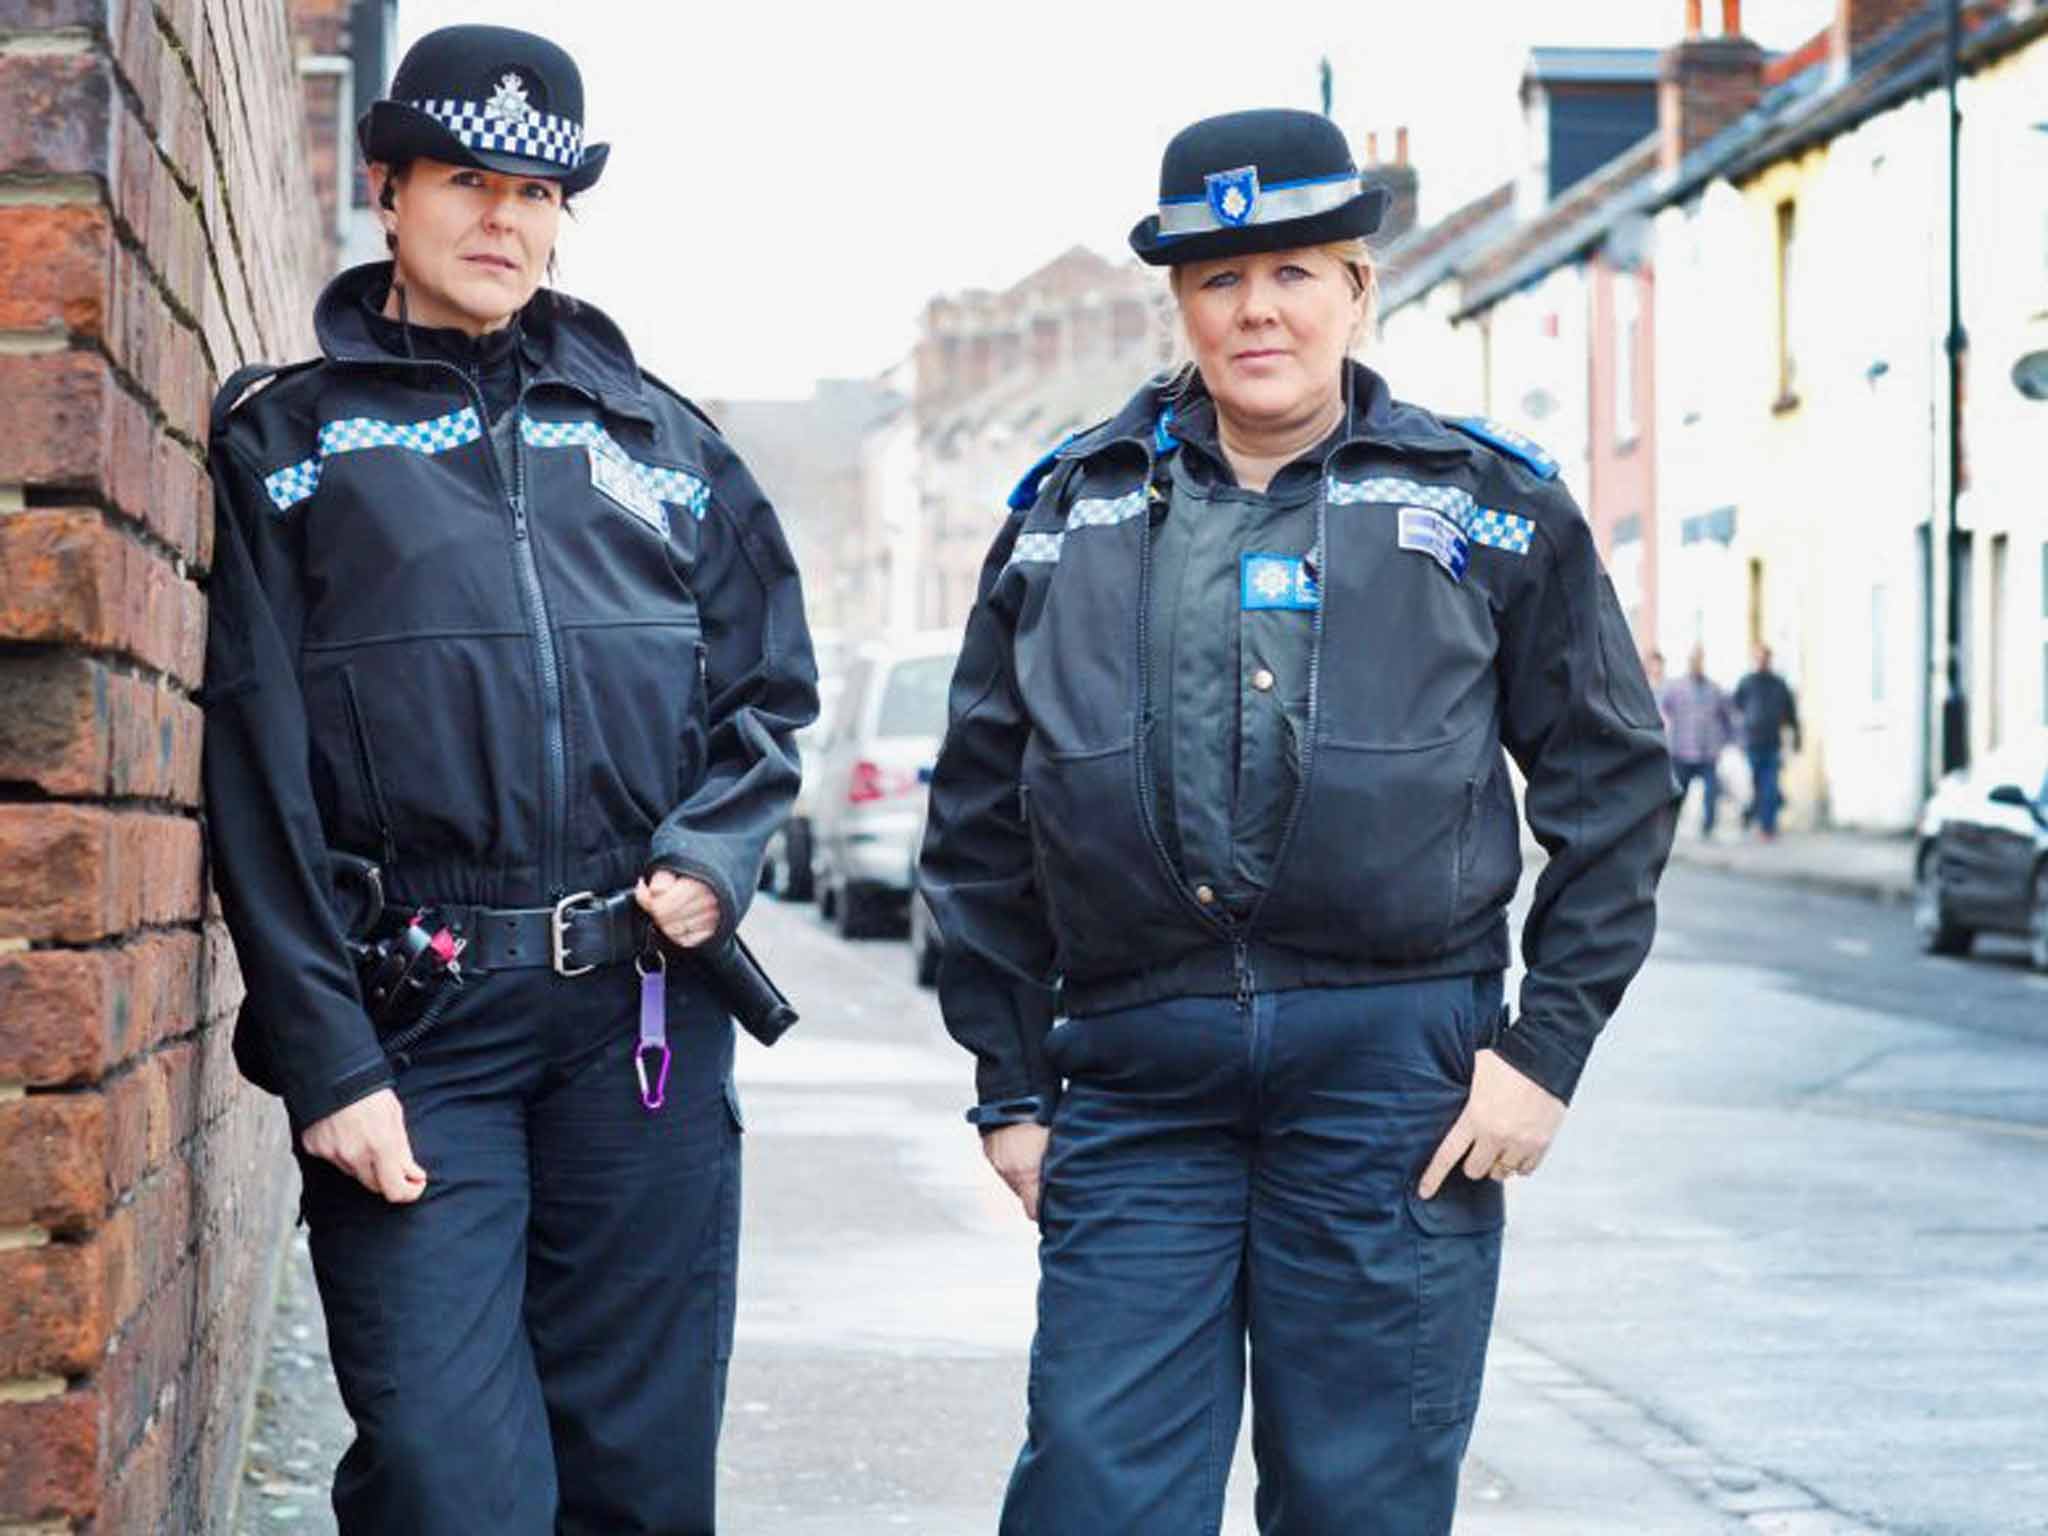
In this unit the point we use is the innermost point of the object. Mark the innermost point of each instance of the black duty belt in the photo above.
(577, 934)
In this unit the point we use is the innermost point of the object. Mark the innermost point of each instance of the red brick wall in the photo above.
(158, 227)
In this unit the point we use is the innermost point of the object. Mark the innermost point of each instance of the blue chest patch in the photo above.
(1281, 582)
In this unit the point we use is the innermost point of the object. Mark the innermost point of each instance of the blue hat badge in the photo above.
(1234, 195)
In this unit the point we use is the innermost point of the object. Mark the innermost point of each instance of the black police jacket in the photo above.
(1461, 609)
(504, 688)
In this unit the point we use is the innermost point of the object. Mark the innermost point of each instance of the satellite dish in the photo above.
(2030, 375)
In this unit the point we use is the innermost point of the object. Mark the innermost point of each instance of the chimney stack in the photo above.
(1372, 146)
(1402, 184)
(1859, 23)
(1705, 83)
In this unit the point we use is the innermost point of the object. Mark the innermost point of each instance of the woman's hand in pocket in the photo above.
(1017, 1153)
(1506, 1128)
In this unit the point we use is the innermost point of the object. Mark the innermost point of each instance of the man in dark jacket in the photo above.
(502, 631)
(1768, 710)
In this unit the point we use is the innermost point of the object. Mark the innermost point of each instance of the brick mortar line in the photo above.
(119, 663)
(137, 391)
(189, 190)
(220, 158)
(13, 793)
(17, 189)
(78, 498)
(197, 925)
(44, 42)
(177, 45)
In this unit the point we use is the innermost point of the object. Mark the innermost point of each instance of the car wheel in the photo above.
(2037, 947)
(924, 948)
(796, 862)
(856, 912)
(1937, 932)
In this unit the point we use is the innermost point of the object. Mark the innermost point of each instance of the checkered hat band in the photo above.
(291, 485)
(536, 135)
(678, 487)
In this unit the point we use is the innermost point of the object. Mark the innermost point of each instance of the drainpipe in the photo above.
(1955, 707)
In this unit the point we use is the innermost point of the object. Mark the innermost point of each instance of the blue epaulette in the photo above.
(1026, 490)
(1508, 441)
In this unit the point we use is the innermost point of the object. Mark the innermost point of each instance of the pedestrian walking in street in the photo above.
(1221, 840)
(1768, 710)
(506, 654)
(1699, 720)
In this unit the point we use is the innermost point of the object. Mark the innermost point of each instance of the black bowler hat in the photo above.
(491, 97)
(1268, 180)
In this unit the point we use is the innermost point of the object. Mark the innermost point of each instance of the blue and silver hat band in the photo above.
(1277, 203)
(534, 135)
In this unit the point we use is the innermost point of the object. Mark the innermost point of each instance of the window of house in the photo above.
(1788, 373)
(1627, 326)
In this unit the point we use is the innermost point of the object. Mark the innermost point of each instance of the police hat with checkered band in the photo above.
(1268, 180)
(491, 97)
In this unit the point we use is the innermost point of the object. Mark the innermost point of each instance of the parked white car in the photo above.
(870, 791)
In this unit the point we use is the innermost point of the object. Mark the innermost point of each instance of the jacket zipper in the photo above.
(1146, 811)
(366, 769)
(555, 756)
(1315, 671)
(555, 778)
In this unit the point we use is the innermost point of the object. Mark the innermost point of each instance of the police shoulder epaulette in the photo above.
(238, 384)
(681, 399)
(1508, 441)
(1025, 492)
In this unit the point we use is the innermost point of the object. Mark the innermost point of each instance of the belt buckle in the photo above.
(558, 931)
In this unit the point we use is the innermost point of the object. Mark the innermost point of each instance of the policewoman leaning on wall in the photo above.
(507, 650)
(1225, 787)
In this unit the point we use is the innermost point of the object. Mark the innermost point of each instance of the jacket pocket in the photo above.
(366, 769)
(1457, 1273)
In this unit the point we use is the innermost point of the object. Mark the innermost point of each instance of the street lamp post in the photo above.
(1955, 708)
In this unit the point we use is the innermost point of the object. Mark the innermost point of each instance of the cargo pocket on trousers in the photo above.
(729, 1228)
(1457, 1245)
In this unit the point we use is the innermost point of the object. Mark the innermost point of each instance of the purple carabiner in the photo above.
(653, 1028)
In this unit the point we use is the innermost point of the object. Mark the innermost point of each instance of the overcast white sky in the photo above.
(790, 182)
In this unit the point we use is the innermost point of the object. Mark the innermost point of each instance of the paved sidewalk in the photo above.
(1879, 866)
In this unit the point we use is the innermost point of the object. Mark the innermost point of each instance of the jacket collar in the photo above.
(565, 340)
(1374, 419)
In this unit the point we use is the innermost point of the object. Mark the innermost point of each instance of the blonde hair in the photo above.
(1357, 260)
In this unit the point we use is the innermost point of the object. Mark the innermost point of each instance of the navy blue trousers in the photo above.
(1225, 1180)
(539, 1344)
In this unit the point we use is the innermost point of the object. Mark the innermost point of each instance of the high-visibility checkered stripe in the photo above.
(1036, 549)
(1106, 513)
(291, 485)
(676, 486)
(1455, 504)
(1502, 530)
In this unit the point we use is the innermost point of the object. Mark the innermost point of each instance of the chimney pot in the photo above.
(1731, 18)
(1694, 22)
(1372, 147)
(1401, 146)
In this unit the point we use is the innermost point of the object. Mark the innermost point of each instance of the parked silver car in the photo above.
(871, 780)
(1982, 860)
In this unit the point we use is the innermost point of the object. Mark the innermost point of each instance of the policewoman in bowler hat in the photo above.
(507, 651)
(1221, 842)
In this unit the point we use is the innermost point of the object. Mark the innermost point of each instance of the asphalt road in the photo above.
(1785, 1273)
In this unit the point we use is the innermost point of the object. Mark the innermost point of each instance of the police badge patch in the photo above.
(1234, 195)
(618, 478)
